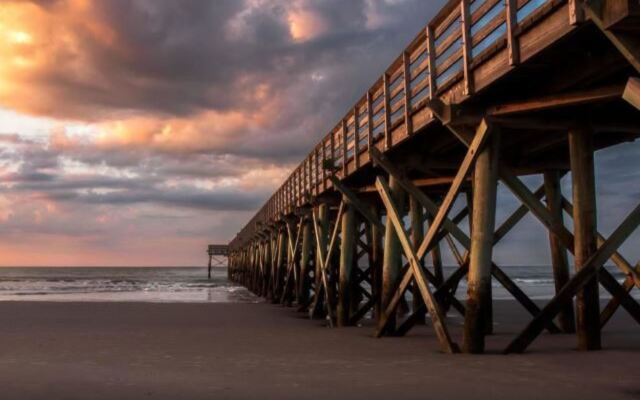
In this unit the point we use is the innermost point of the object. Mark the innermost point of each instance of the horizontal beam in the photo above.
(559, 100)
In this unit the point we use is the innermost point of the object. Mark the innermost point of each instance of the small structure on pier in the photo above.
(218, 254)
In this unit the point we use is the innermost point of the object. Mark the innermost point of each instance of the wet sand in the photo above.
(251, 351)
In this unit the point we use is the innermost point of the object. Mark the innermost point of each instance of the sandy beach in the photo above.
(245, 351)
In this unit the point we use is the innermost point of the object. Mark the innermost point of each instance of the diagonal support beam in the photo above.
(618, 292)
(437, 318)
(362, 208)
(324, 258)
(615, 302)
(589, 270)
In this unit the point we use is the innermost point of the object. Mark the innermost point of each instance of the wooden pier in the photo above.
(488, 92)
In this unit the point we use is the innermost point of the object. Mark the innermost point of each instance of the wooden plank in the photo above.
(408, 108)
(512, 27)
(606, 93)
(356, 137)
(632, 92)
(614, 303)
(387, 113)
(619, 293)
(344, 148)
(431, 59)
(576, 13)
(466, 47)
(587, 272)
(481, 136)
(392, 253)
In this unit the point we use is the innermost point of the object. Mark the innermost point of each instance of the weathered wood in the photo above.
(588, 271)
(559, 260)
(622, 264)
(512, 26)
(631, 92)
(321, 231)
(601, 94)
(585, 235)
(392, 256)
(408, 107)
(628, 45)
(485, 182)
(347, 247)
(354, 201)
(615, 302)
(437, 318)
(469, 85)
(304, 284)
(431, 60)
(619, 293)
(387, 112)
(417, 234)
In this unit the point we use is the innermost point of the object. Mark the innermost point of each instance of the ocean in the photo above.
(190, 284)
(124, 284)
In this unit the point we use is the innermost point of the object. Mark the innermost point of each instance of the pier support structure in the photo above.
(412, 173)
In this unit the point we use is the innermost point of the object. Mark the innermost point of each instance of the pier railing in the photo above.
(463, 35)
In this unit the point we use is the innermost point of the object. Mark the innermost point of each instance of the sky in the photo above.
(135, 132)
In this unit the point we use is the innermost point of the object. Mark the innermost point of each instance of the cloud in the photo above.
(137, 131)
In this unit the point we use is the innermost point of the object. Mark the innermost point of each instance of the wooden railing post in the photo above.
(406, 66)
(512, 29)
(467, 47)
(356, 138)
(387, 111)
(370, 122)
(344, 148)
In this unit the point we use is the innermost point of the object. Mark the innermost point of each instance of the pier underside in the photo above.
(359, 230)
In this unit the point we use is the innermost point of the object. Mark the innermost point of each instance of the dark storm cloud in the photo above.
(179, 59)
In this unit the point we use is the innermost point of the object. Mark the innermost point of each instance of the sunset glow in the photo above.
(136, 132)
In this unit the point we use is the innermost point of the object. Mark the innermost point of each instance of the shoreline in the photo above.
(238, 351)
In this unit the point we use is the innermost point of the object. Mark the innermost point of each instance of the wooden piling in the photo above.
(417, 235)
(392, 253)
(305, 263)
(559, 260)
(586, 235)
(347, 248)
(316, 310)
(280, 268)
(374, 239)
(485, 178)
